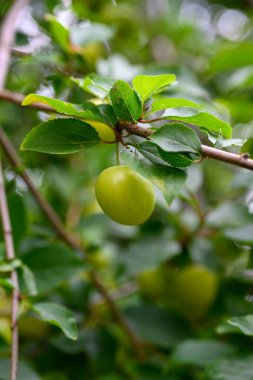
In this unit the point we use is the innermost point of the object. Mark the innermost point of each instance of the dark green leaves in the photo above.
(148, 85)
(125, 102)
(61, 136)
(169, 180)
(58, 316)
(155, 325)
(201, 353)
(173, 144)
(51, 265)
(160, 157)
(177, 138)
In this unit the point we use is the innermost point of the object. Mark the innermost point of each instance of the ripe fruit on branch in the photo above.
(124, 195)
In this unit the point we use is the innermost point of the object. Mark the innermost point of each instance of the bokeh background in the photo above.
(209, 46)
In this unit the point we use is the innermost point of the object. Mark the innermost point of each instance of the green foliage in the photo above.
(125, 102)
(146, 85)
(61, 136)
(183, 70)
(58, 316)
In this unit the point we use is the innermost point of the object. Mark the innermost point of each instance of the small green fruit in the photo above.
(152, 283)
(124, 195)
(195, 291)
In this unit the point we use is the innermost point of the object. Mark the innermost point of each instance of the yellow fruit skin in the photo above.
(124, 195)
(152, 283)
(195, 291)
(32, 327)
(104, 132)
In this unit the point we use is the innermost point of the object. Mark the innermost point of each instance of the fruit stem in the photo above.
(117, 154)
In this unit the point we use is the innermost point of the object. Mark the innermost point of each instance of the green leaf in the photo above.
(158, 156)
(248, 147)
(85, 33)
(164, 103)
(146, 254)
(29, 280)
(242, 234)
(98, 86)
(238, 55)
(59, 33)
(6, 284)
(107, 115)
(63, 107)
(156, 325)
(242, 325)
(148, 85)
(169, 180)
(177, 137)
(59, 316)
(25, 372)
(206, 121)
(61, 136)
(51, 265)
(230, 369)
(10, 265)
(201, 352)
(125, 102)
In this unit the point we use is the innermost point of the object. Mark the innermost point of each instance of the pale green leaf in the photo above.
(148, 85)
(59, 316)
(29, 280)
(237, 55)
(63, 107)
(205, 121)
(230, 369)
(164, 103)
(242, 325)
(97, 86)
(59, 33)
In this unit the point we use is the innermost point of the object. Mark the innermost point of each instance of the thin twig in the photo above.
(10, 255)
(7, 34)
(136, 344)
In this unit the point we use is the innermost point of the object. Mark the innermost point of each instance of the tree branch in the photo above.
(7, 34)
(207, 152)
